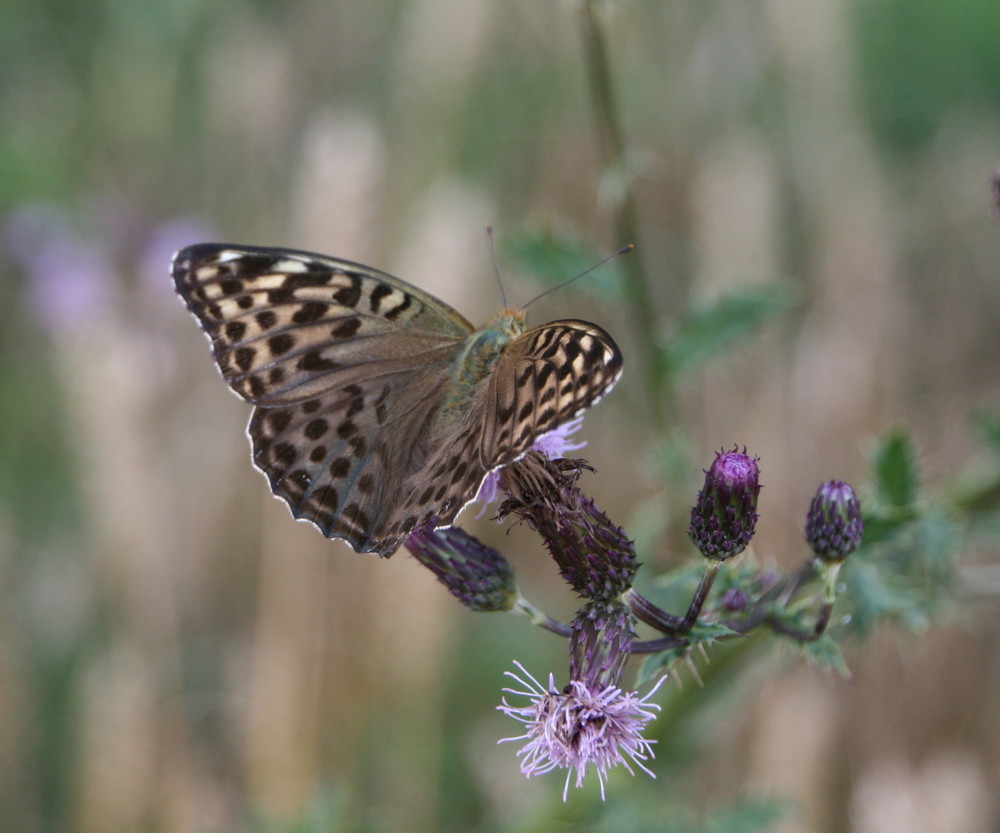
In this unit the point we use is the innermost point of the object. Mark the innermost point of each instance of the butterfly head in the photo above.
(509, 323)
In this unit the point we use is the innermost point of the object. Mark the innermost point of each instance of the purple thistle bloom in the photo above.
(553, 444)
(475, 574)
(834, 527)
(724, 518)
(585, 725)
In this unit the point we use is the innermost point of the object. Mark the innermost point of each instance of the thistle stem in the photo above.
(700, 595)
(655, 617)
(612, 150)
(543, 620)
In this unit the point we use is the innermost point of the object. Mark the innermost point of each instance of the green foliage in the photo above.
(920, 59)
(554, 257)
(702, 636)
(896, 471)
(709, 331)
(328, 812)
(988, 423)
(754, 815)
(826, 652)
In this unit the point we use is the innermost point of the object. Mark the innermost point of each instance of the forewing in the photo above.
(545, 377)
(287, 326)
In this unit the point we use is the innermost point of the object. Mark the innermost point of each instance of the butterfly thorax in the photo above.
(475, 361)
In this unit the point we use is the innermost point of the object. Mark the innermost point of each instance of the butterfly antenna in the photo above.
(496, 269)
(612, 256)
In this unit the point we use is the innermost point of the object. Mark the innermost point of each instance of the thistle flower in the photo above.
(594, 555)
(724, 517)
(834, 527)
(477, 575)
(585, 725)
(553, 444)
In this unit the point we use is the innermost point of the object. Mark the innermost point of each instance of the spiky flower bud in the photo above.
(594, 555)
(477, 575)
(834, 527)
(724, 517)
(601, 643)
(735, 599)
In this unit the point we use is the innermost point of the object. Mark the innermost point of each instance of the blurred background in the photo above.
(176, 654)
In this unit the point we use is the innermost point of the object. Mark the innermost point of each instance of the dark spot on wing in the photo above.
(346, 328)
(235, 330)
(309, 312)
(281, 343)
(349, 296)
(314, 361)
(244, 357)
(378, 293)
(266, 319)
(278, 420)
(340, 467)
(317, 428)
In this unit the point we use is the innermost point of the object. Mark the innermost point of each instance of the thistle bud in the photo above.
(475, 574)
(593, 554)
(735, 599)
(834, 527)
(601, 643)
(724, 517)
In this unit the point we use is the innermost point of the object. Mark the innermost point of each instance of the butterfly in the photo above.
(378, 408)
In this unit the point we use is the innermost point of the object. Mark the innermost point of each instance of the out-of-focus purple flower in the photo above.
(585, 725)
(995, 183)
(594, 555)
(724, 517)
(553, 444)
(735, 599)
(69, 277)
(477, 575)
(163, 241)
(834, 527)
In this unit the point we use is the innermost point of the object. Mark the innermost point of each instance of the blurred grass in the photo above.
(176, 654)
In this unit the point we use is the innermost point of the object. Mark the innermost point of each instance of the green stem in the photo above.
(612, 149)
(700, 595)
(543, 620)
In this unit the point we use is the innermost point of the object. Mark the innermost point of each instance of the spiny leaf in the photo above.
(554, 257)
(704, 333)
(896, 469)
(826, 652)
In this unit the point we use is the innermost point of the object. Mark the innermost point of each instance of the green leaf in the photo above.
(896, 469)
(554, 257)
(755, 815)
(701, 634)
(988, 422)
(704, 333)
(826, 652)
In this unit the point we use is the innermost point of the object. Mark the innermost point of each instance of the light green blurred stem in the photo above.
(612, 149)
(539, 618)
